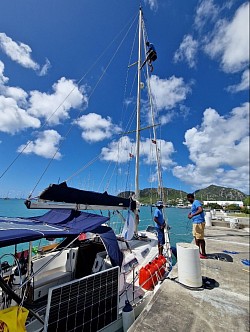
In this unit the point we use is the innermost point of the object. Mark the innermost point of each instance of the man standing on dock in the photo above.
(197, 215)
(160, 225)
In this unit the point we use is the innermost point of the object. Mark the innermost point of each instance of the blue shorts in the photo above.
(161, 236)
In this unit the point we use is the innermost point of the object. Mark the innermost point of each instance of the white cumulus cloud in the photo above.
(3, 79)
(13, 115)
(16, 93)
(45, 68)
(18, 52)
(96, 128)
(187, 51)
(218, 149)
(230, 41)
(46, 145)
(153, 4)
(119, 151)
(13, 118)
(168, 93)
(206, 11)
(148, 152)
(55, 107)
(243, 85)
(20, 110)
(166, 118)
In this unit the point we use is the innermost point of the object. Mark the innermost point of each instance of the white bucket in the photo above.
(208, 219)
(189, 266)
(234, 223)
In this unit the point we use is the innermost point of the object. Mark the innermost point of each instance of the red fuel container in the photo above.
(145, 278)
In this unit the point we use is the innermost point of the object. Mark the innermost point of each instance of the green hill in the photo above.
(211, 193)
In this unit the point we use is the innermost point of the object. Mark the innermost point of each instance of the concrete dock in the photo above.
(223, 308)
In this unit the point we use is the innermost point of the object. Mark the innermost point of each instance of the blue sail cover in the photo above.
(59, 223)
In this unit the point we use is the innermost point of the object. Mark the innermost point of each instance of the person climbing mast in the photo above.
(151, 56)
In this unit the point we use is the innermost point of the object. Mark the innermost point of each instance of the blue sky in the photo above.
(200, 87)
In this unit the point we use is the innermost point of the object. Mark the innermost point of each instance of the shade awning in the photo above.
(56, 224)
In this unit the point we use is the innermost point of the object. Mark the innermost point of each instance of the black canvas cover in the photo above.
(62, 193)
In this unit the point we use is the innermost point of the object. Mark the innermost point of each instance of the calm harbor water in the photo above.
(177, 218)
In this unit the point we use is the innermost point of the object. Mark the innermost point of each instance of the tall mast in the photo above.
(138, 108)
(157, 151)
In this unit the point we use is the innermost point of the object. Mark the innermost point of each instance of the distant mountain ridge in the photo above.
(211, 193)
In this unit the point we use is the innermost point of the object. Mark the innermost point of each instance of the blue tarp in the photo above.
(59, 223)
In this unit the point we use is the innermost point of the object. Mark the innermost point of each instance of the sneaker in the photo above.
(203, 256)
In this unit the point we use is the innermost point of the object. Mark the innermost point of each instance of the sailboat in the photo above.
(84, 282)
(7, 196)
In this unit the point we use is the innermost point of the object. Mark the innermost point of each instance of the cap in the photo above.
(159, 203)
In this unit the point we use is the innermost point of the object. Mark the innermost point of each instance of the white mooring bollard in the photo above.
(208, 219)
(189, 266)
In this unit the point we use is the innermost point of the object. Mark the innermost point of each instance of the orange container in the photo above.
(159, 264)
(145, 278)
(154, 270)
(163, 261)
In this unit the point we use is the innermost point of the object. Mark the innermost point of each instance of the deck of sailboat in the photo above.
(141, 240)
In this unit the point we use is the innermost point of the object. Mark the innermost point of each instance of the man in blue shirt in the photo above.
(160, 225)
(197, 215)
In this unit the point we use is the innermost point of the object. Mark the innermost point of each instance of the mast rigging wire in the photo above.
(99, 188)
(109, 180)
(160, 184)
(91, 94)
(131, 22)
(157, 150)
(92, 161)
(126, 80)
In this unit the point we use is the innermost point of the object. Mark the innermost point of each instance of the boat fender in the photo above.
(128, 316)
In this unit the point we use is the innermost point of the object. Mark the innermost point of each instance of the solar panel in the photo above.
(87, 304)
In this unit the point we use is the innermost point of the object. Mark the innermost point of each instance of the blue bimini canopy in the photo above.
(110, 241)
(59, 223)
